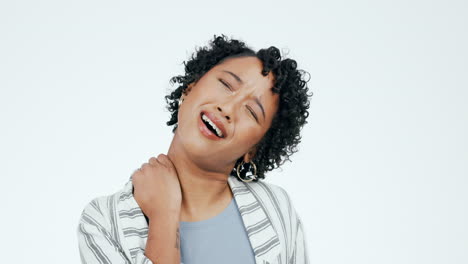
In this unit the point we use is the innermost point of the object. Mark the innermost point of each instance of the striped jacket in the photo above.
(113, 229)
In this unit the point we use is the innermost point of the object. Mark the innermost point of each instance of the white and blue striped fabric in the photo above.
(113, 229)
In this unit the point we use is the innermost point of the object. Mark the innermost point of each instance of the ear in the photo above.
(250, 155)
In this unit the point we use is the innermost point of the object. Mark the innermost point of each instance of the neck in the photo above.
(201, 189)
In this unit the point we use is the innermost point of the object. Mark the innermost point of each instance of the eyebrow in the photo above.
(239, 80)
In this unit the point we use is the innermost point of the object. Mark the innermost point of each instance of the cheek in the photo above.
(248, 135)
(206, 93)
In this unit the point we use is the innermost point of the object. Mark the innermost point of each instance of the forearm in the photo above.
(163, 244)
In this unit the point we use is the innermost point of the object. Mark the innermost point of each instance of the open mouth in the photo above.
(211, 126)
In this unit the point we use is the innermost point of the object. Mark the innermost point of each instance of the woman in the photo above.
(236, 115)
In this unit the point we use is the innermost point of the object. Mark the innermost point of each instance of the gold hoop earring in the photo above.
(248, 178)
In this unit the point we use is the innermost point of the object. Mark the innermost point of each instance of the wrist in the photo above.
(173, 214)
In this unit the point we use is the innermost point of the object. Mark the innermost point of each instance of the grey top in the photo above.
(220, 239)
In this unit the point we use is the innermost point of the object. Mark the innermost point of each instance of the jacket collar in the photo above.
(262, 234)
(258, 225)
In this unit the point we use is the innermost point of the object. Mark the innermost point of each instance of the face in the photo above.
(238, 100)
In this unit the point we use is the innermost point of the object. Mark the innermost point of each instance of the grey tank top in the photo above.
(220, 239)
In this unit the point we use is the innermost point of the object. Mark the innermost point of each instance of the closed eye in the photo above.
(225, 84)
(248, 107)
(253, 113)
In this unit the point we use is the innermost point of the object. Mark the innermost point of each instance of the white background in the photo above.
(381, 173)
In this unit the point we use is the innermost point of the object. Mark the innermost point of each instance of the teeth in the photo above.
(218, 131)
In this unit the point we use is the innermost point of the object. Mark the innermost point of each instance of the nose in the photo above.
(223, 114)
(229, 108)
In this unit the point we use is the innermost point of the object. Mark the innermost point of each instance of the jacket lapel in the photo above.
(260, 230)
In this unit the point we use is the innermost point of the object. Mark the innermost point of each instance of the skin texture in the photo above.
(190, 182)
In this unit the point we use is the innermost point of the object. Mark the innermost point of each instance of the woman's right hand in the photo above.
(157, 188)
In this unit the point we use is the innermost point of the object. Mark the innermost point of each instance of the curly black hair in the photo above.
(282, 138)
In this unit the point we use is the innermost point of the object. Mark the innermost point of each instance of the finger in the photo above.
(165, 160)
(153, 161)
(136, 174)
(162, 159)
(136, 171)
(144, 165)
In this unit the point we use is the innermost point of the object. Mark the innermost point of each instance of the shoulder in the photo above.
(272, 192)
(99, 210)
(275, 201)
(278, 205)
(94, 212)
